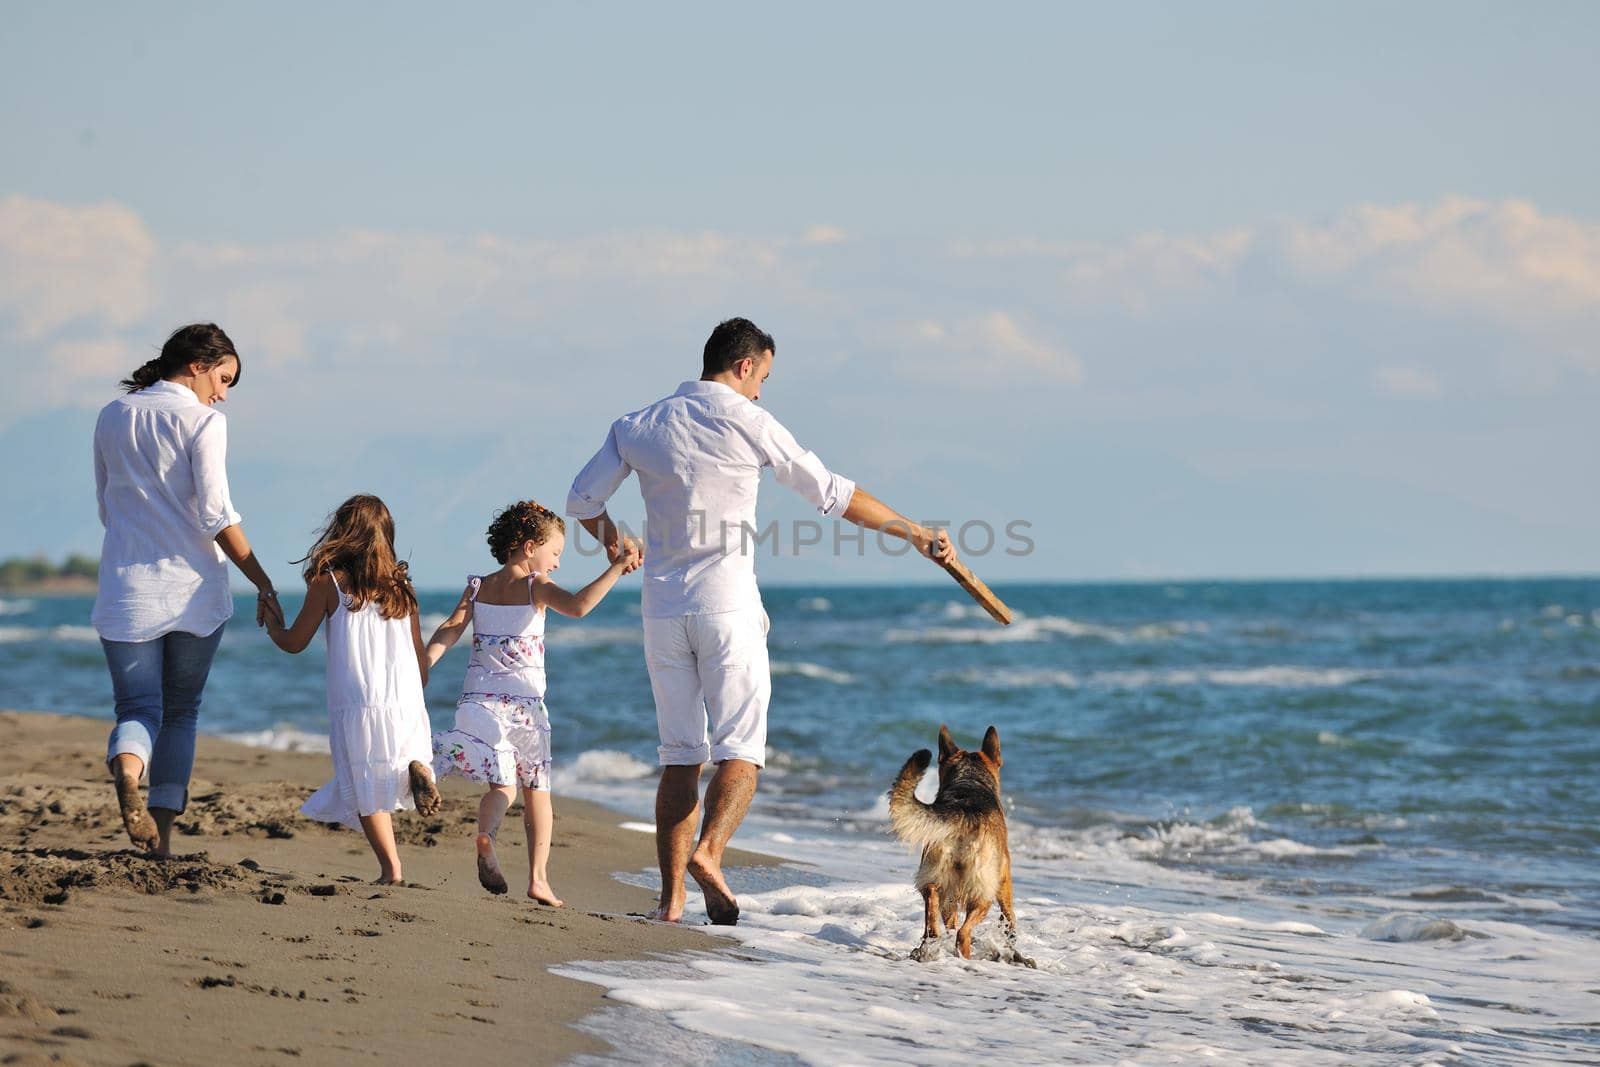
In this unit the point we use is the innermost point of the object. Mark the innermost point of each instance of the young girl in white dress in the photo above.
(377, 721)
(502, 730)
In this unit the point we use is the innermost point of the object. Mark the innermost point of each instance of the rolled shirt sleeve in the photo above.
(803, 471)
(209, 461)
(600, 478)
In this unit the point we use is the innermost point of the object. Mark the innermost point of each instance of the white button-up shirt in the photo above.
(699, 455)
(161, 479)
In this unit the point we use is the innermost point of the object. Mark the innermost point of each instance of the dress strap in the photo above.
(530, 590)
(335, 583)
(473, 582)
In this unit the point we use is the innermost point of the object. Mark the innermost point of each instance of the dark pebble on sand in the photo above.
(273, 897)
(250, 865)
(329, 890)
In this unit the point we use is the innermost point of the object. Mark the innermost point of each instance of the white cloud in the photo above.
(63, 265)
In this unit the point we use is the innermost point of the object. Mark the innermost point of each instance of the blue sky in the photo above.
(1195, 290)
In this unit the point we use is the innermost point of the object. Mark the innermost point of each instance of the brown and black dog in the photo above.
(966, 861)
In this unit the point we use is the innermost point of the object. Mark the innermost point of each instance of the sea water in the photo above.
(1274, 823)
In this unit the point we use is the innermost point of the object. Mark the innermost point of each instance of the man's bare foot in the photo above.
(135, 816)
(542, 892)
(664, 915)
(489, 873)
(721, 906)
(423, 791)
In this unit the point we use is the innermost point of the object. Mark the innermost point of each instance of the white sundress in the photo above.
(377, 719)
(502, 731)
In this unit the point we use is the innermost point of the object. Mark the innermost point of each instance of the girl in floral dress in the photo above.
(502, 730)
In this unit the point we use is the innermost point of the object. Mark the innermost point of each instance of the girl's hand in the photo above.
(631, 555)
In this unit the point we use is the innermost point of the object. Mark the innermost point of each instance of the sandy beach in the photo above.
(264, 939)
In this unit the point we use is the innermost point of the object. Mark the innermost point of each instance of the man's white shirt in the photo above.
(699, 455)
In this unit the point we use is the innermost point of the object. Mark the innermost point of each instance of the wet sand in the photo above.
(264, 940)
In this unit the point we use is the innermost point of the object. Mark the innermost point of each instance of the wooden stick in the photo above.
(978, 591)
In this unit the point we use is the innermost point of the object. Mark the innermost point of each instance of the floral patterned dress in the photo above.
(502, 730)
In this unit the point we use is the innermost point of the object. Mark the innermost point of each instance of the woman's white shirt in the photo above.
(160, 471)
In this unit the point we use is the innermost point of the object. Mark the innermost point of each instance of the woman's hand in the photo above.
(268, 609)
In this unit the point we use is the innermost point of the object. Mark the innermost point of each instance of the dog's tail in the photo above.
(912, 820)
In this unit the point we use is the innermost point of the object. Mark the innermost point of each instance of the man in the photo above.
(699, 455)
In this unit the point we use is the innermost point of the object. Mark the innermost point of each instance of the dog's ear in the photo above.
(947, 747)
(991, 745)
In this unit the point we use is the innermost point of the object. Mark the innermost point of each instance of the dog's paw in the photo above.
(1019, 958)
(928, 951)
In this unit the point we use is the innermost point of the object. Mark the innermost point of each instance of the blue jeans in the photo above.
(157, 685)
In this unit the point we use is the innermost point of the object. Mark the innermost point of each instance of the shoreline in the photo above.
(264, 938)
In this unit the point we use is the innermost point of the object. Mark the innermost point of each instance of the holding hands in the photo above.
(269, 612)
(630, 553)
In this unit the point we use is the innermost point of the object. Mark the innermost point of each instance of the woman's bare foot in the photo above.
(542, 892)
(721, 906)
(423, 790)
(135, 816)
(489, 873)
(664, 915)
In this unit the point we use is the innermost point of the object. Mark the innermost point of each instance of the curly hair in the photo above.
(526, 520)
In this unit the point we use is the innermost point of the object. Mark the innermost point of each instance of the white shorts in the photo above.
(712, 686)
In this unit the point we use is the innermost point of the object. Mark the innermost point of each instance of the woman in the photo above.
(159, 467)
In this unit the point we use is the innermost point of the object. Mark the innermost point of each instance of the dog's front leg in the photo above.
(928, 951)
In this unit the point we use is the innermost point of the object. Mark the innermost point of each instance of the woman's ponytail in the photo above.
(202, 342)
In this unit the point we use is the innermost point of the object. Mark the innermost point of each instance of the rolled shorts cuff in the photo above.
(683, 755)
(719, 753)
(170, 797)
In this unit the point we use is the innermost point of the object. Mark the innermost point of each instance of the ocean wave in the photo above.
(1398, 926)
(579, 635)
(281, 738)
(1040, 628)
(17, 607)
(21, 635)
(1271, 677)
(815, 603)
(604, 765)
(813, 670)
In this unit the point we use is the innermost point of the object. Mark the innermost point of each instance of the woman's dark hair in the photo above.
(732, 341)
(358, 542)
(201, 342)
(526, 520)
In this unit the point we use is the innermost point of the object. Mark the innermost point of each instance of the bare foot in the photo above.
(489, 874)
(423, 791)
(542, 892)
(135, 816)
(721, 906)
(664, 915)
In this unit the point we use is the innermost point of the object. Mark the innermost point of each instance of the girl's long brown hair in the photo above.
(358, 542)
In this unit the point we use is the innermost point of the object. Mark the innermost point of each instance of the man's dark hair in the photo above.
(732, 341)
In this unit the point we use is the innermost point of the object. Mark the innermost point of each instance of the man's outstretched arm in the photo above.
(868, 511)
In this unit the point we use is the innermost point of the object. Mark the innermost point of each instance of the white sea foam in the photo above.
(16, 607)
(1136, 964)
(815, 603)
(813, 670)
